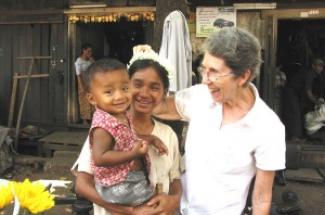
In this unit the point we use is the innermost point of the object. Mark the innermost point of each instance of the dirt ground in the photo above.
(311, 196)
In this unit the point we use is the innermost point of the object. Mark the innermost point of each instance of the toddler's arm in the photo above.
(103, 153)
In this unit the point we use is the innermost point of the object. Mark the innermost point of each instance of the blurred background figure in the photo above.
(314, 85)
(82, 63)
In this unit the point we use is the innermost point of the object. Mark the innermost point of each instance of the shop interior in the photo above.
(299, 42)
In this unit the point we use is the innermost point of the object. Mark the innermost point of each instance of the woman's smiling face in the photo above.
(222, 83)
(147, 90)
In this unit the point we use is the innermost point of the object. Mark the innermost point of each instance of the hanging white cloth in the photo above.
(176, 47)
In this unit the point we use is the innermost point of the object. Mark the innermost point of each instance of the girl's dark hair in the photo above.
(101, 66)
(86, 46)
(147, 63)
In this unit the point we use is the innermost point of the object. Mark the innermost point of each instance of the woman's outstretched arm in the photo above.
(167, 109)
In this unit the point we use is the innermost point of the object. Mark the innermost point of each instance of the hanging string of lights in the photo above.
(112, 17)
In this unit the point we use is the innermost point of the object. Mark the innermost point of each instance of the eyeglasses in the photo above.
(211, 75)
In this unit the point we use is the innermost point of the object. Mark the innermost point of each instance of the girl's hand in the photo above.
(140, 148)
(156, 142)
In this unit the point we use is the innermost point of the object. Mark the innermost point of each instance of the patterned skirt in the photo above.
(86, 110)
(134, 190)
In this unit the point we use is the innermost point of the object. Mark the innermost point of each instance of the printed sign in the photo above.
(211, 19)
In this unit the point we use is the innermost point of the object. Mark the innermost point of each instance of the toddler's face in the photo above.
(109, 91)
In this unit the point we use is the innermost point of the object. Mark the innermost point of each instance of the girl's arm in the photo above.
(103, 153)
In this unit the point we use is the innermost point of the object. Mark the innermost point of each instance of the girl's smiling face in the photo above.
(147, 90)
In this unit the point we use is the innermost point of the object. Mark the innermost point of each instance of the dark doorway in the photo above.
(115, 39)
(112, 39)
(122, 37)
(299, 42)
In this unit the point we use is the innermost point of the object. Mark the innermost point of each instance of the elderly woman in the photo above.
(233, 135)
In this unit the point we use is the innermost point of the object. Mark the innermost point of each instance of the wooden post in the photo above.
(12, 101)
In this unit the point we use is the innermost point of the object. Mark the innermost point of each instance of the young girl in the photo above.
(120, 173)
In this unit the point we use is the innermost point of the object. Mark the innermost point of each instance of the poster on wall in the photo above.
(211, 19)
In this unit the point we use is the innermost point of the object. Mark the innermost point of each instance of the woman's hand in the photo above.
(143, 210)
(141, 48)
(164, 204)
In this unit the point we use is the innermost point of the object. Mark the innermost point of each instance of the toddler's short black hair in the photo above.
(101, 66)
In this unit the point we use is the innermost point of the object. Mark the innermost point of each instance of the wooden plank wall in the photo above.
(5, 71)
(58, 74)
(44, 102)
(27, 43)
(253, 23)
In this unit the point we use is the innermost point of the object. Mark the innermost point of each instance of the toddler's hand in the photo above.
(140, 148)
(160, 146)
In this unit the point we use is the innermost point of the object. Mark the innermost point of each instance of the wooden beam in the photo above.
(295, 13)
(109, 10)
(31, 76)
(27, 22)
(26, 18)
(34, 57)
(31, 12)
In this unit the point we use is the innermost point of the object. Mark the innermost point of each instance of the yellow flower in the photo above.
(5, 196)
(33, 196)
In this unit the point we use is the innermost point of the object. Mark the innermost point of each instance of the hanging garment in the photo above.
(176, 47)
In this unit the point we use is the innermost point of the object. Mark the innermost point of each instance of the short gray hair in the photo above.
(239, 49)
